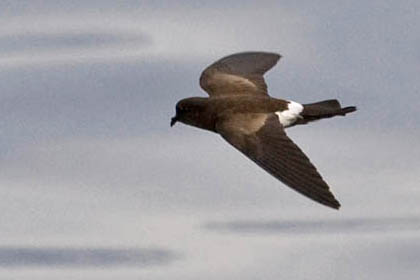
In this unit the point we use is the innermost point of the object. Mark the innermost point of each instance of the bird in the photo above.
(240, 109)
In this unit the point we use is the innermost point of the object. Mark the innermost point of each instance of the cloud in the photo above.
(190, 33)
(69, 44)
(50, 42)
(343, 226)
(24, 257)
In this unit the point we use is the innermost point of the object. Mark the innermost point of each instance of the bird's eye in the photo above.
(183, 109)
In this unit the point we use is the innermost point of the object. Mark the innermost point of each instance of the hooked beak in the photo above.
(173, 121)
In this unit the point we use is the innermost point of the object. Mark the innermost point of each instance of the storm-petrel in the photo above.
(241, 111)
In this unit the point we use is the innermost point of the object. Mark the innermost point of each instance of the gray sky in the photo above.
(90, 168)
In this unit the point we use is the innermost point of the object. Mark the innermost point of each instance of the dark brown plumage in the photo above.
(242, 112)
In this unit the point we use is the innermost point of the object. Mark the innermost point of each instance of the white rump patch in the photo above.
(290, 116)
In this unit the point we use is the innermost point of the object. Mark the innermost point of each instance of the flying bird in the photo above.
(241, 111)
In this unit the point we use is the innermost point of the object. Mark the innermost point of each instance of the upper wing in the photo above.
(262, 139)
(240, 73)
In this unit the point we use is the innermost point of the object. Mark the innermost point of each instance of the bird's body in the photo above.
(241, 111)
(213, 109)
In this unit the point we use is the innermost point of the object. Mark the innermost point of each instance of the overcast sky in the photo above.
(91, 170)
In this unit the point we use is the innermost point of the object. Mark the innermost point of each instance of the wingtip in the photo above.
(278, 56)
(335, 205)
(330, 202)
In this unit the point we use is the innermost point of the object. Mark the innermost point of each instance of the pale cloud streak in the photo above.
(187, 34)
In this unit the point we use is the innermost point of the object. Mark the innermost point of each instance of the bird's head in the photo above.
(188, 110)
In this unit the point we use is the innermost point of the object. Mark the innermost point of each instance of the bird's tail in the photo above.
(323, 109)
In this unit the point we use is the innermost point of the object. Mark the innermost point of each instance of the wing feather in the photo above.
(268, 145)
(240, 73)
